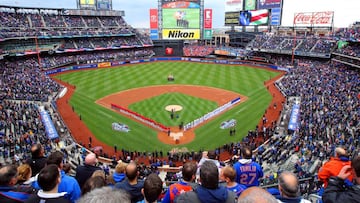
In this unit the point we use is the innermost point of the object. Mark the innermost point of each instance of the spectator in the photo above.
(209, 156)
(92, 183)
(8, 192)
(37, 160)
(106, 195)
(152, 188)
(67, 184)
(209, 190)
(24, 179)
(289, 188)
(228, 175)
(119, 174)
(255, 195)
(49, 179)
(337, 191)
(85, 171)
(334, 165)
(248, 172)
(99, 173)
(188, 172)
(131, 184)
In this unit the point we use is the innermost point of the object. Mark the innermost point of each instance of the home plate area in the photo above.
(176, 135)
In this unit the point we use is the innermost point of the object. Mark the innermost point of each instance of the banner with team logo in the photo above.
(120, 127)
(228, 124)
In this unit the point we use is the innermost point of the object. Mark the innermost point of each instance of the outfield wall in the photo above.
(120, 63)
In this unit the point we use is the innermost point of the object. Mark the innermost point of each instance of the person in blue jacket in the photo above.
(67, 184)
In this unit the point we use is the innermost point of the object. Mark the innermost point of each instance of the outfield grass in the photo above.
(92, 85)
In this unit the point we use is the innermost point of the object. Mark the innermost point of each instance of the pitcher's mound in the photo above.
(173, 108)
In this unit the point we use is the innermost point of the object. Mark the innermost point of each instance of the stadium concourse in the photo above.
(326, 89)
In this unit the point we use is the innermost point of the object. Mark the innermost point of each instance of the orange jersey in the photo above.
(332, 168)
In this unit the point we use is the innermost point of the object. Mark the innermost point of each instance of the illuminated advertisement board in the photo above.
(87, 4)
(314, 18)
(275, 16)
(232, 18)
(181, 18)
(250, 5)
(233, 5)
(103, 4)
(267, 4)
(207, 18)
(154, 19)
(181, 34)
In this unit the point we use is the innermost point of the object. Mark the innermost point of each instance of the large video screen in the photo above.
(247, 18)
(181, 18)
(257, 17)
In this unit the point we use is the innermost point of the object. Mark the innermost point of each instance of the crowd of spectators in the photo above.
(23, 80)
(352, 49)
(279, 43)
(32, 24)
(198, 50)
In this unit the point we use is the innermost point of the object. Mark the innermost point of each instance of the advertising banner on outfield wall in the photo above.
(207, 18)
(104, 64)
(153, 18)
(181, 34)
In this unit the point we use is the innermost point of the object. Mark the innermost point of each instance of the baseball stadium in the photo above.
(83, 89)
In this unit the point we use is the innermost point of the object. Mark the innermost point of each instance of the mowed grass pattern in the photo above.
(154, 108)
(92, 85)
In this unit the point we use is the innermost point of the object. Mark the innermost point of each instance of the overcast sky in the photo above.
(137, 11)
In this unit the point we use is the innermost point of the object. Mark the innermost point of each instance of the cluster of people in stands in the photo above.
(18, 24)
(42, 178)
(198, 50)
(310, 44)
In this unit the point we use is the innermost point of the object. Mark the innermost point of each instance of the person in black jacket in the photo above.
(337, 191)
(84, 172)
(37, 160)
(49, 179)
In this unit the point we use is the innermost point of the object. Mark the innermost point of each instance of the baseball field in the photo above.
(92, 86)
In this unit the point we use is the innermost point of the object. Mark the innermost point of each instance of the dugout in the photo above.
(168, 47)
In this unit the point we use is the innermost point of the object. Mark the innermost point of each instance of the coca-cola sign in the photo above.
(314, 18)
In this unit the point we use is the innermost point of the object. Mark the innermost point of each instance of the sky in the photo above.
(346, 12)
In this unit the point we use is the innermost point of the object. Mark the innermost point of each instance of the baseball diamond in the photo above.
(92, 86)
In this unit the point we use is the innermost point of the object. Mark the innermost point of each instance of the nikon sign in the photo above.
(181, 34)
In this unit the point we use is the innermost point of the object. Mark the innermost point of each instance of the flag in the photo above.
(259, 17)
